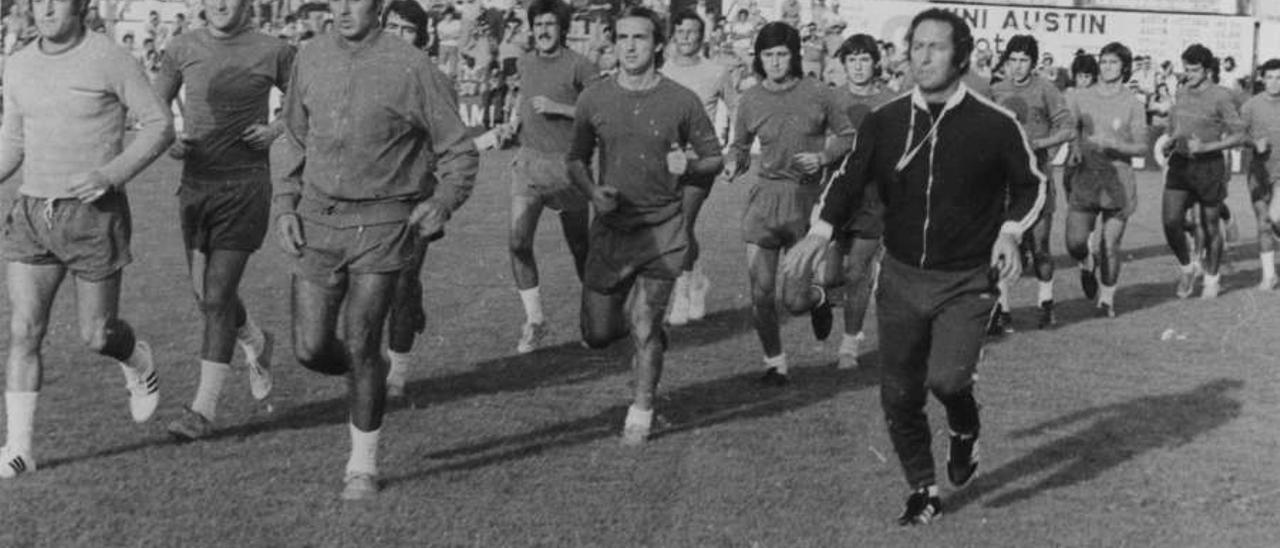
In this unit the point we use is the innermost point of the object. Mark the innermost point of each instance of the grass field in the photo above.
(1096, 433)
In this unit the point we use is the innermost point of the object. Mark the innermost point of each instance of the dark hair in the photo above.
(1271, 64)
(655, 23)
(1126, 58)
(1022, 43)
(558, 8)
(1084, 64)
(961, 36)
(859, 43)
(410, 11)
(1197, 54)
(777, 34)
(688, 15)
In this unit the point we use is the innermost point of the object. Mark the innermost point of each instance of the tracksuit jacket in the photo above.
(951, 182)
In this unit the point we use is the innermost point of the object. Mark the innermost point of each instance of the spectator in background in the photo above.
(180, 24)
(1053, 73)
(514, 43)
(1144, 77)
(1232, 77)
(449, 31)
(1084, 71)
(157, 30)
(1158, 108)
(790, 13)
(813, 51)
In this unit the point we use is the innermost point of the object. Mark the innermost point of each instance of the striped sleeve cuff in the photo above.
(821, 229)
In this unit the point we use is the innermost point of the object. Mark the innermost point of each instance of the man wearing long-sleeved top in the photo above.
(65, 102)
(960, 185)
(375, 157)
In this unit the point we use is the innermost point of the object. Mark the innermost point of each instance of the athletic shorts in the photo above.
(1259, 179)
(543, 177)
(617, 257)
(868, 221)
(1109, 188)
(90, 240)
(1204, 177)
(703, 182)
(330, 254)
(229, 214)
(777, 213)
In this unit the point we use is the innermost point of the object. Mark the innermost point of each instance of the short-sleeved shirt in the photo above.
(1037, 104)
(635, 130)
(560, 78)
(857, 107)
(1207, 114)
(1117, 116)
(708, 80)
(228, 82)
(1261, 116)
(787, 122)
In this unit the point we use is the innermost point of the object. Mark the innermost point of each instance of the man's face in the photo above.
(635, 45)
(154, 18)
(1229, 65)
(931, 56)
(1018, 66)
(860, 68)
(1046, 61)
(776, 62)
(398, 26)
(1110, 68)
(57, 20)
(546, 33)
(1196, 74)
(355, 19)
(1271, 82)
(226, 15)
(688, 37)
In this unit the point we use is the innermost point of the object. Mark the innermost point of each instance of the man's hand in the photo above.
(1005, 256)
(504, 132)
(1261, 145)
(801, 261)
(430, 218)
(289, 233)
(677, 160)
(605, 198)
(1103, 142)
(89, 186)
(734, 169)
(544, 106)
(1195, 145)
(259, 136)
(807, 162)
(181, 146)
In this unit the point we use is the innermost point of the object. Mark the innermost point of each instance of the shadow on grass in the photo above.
(1111, 435)
(684, 409)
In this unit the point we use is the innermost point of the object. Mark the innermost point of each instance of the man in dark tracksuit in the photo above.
(960, 184)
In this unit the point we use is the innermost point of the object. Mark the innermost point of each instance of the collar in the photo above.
(917, 98)
(369, 41)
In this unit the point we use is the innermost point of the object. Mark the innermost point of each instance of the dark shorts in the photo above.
(543, 177)
(230, 214)
(1259, 179)
(91, 240)
(617, 256)
(330, 253)
(1104, 189)
(1204, 177)
(777, 213)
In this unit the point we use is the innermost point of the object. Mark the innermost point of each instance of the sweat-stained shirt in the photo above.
(371, 129)
(560, 78)
(228, 82)
(789, 121)
(1208, 113)
(634, 131)
(64, 115)
(1261, 116)
(1038, 105)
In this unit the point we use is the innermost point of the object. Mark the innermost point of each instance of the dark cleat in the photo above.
(1089, 283)
(962, 459)
(822, 319)
(922, 508)
(1001, 322)
(1046, 315)
(772, 377)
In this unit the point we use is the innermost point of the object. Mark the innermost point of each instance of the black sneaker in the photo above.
(1089, 283)
(962, 459)
(921, 508)
(773, 377)
(821, 318)
(1046, 315)
(1001, 322)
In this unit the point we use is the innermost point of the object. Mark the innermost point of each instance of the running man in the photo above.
(224, 202)
(792, 115)
(367, 120)
(1099, 178)
(641, 122)
(1261, 115)
(1042, 111)
(858, 243)
(1202, 124)
(65, 102)
(551, 78)
(713, 82)
(960, 186)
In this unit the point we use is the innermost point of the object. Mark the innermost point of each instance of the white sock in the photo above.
(20, 409)
(1268, 264)
(682, 285)
(1212, 279)
(1106, 294)
(849, 343)
(399, 365)
(639, 417)
(1046, 291)
(1188, 268)
(1003, 299)
(212, 376)
(1085, 266)
(364, 451)
(532, 299)
(778, 362)
(250, 336)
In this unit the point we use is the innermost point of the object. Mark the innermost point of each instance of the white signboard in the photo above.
(1221, 7)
